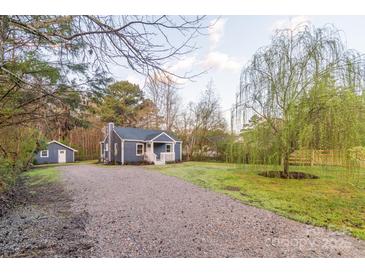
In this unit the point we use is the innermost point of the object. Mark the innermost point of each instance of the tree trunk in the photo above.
(3, 32)
(286, 164)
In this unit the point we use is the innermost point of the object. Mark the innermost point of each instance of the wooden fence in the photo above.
(322, 157)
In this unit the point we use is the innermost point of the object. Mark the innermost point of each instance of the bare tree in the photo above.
(144, 42)
(40, 55)
(163, 93)
(200, 120)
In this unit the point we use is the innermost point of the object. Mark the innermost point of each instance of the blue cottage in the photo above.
(123, 145)
(56, 152)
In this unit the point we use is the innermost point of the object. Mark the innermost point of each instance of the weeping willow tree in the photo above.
(331, 118)
(305, 89)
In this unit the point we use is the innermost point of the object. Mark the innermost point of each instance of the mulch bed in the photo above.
(291, 175)
(232, 188)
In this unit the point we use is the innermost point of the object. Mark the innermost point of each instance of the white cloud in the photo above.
(220, 60)
(216, 31)
(293, 23)
(216, 59)
(185, 63)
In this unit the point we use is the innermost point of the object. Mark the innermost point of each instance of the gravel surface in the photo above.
(135, 212)
(37, 222)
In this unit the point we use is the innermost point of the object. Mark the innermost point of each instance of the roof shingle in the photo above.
(139, 133)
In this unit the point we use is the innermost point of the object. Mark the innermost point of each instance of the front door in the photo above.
(61, 156)
(149, 148)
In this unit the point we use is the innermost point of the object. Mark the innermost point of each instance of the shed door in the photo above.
(61, 156)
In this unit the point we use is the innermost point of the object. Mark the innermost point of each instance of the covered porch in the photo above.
(159, 152)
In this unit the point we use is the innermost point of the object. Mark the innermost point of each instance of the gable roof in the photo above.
(140, 133)
(54, 141)
(161, 134)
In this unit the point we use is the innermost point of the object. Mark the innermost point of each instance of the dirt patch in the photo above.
(232, 188)
(13, 196)
(291, 175)
(38, 222)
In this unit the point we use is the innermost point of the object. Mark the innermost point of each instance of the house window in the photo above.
(168, 148)
(139, 149)
(44, 153)
(115, 148)
(106, 147)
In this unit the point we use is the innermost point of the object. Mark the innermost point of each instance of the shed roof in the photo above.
(54, 141)
(140, 133)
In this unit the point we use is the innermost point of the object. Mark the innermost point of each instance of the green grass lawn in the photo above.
(41, 176)
(68, 164)
(335, 201)
(48, 173)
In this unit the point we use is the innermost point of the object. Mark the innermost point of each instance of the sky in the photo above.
(230, 44)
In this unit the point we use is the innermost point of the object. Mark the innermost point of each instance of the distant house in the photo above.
(134, 145)
(56, 152)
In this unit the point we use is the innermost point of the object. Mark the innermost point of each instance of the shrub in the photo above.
(18, 148)
(8, 173)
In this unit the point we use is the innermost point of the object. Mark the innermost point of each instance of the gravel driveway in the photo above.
(136, 212)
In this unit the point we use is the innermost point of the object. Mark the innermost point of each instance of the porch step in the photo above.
(159, 162)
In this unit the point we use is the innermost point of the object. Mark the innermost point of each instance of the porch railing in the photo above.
(164, 157)
(167, 156)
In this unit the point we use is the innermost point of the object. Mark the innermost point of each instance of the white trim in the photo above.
(117, 135)
(165, 134)
(110, 126)
(44, 156)
(54, 141)
(145, 141)
(134, 140)
(115, 149)
(122, 152)
(101, 150)
(171, 148)
(137, 144)
(73, 156)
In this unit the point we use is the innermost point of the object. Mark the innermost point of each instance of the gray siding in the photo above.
(115, 157)
(163, 138)
(177, 151)
(129, 148)
(53, 154)
(111, 147)
(130, 152)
